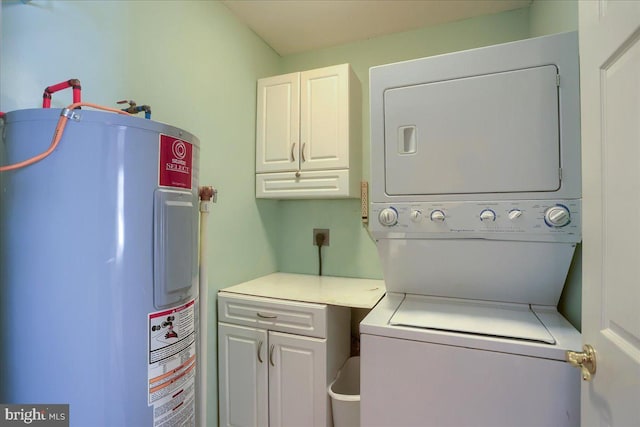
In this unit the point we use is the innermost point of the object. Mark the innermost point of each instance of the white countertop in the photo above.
(344, 291)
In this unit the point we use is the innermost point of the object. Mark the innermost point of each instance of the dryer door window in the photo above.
(482, 134)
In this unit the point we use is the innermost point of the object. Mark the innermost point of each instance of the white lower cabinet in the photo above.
(269, 376)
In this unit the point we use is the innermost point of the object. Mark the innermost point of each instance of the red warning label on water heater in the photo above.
(176, 158)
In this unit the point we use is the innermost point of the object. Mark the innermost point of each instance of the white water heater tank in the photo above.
(98, 268)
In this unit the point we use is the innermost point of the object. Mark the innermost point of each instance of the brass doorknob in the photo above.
(585, 360)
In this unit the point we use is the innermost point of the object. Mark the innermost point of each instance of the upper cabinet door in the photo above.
(324, 118)
(278, 123)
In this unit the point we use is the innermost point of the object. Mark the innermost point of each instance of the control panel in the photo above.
(537, 220)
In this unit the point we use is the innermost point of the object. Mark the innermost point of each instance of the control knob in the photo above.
(487, 215)
(388, 217)
(416, 215)
(437, 216)
(557, 216)
(514, 214)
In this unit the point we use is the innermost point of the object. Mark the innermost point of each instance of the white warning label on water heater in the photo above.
(172, 365)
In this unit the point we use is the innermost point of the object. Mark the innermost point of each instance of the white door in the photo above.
(297, 381)
(610, 96)
(324, 118)
(243, 376)
(278, 123)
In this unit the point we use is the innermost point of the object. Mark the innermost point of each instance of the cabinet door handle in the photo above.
(302, 152)
(259, 351)
(271, 354)
(293, 154)
(266, 316)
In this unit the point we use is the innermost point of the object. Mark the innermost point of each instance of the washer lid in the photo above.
(473, 317)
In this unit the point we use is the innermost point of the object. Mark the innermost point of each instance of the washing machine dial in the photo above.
(487, 215)
(416, 215)
(557, 216)
(388, 217)
(437, 216)
(514, 214)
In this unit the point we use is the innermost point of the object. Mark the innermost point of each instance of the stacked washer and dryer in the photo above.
(476, 208)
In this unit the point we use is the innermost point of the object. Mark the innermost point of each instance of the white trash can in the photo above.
(345, 394)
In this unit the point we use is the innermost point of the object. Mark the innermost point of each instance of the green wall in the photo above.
(197, 66)
(552, 16)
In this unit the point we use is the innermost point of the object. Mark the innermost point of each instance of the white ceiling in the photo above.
(294, 26)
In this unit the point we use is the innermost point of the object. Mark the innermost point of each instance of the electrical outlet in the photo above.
(324, 231)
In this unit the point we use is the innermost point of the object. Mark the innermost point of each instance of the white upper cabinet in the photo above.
(308, 134)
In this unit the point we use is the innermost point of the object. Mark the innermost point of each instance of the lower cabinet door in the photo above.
(243, 376)
(297, 381)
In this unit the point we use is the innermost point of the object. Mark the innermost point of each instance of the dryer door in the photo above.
(482, 134)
